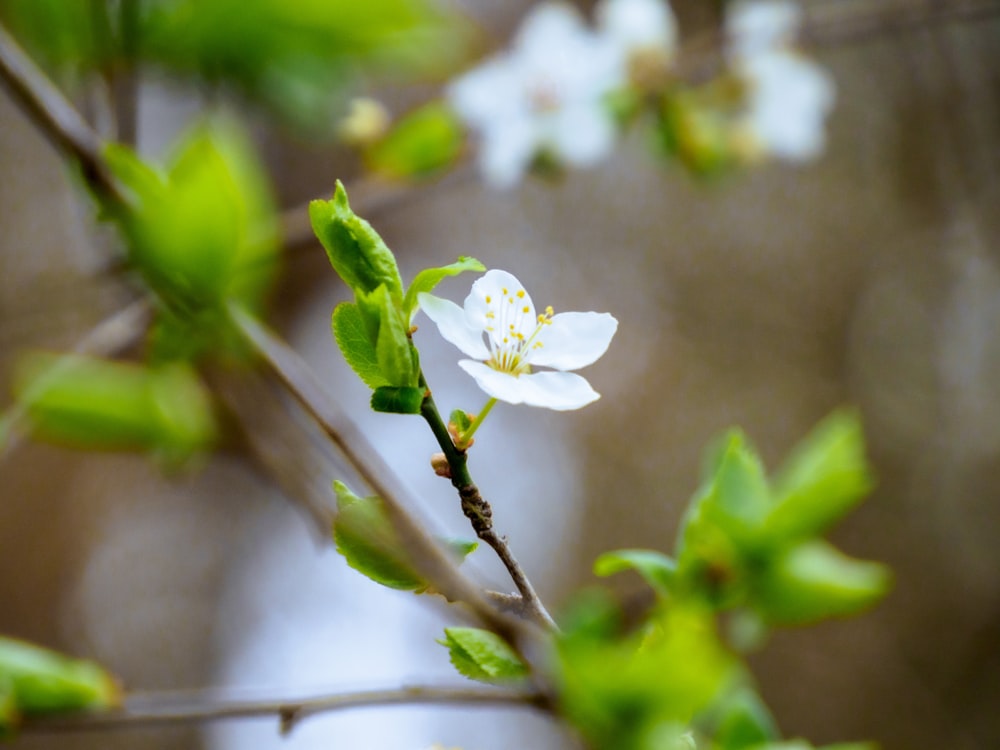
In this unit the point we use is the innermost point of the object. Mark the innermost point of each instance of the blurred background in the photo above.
(763, 299)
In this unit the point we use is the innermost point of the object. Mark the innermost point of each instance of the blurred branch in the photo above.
(427, 556)
(154, 709)
(54, 115)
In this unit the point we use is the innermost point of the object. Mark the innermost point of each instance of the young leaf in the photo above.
(656, 568)
(365, 537)
(34, 680)
(483, 656)
(394, 400)
(358, 350)
(422, 143)
(356, 252)
(460, 548)
(208, 233)
(92, 403)
(743, 721)
(813, 581)
(426, 280)
(824, 478)
(394, 351)
(460, 419)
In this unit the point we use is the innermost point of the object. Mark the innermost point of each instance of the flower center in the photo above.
(543, 97)
(513, 331)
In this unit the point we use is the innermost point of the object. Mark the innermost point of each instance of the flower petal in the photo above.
(639, 24)
(497, 301)
(758, 26)
(508, 146)
(561, 391)
(453, 325)
(790, 98)
(486, 93)
(573, 340)
(582, 135)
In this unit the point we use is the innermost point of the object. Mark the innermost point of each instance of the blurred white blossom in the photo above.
(639, 26)
(517, 341)
(788, 95)
(544, 95)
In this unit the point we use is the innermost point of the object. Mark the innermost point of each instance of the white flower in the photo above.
(545, 94)
(516, 341)
(789, 96)
(639, 26)
(754, 26)
(789, 102)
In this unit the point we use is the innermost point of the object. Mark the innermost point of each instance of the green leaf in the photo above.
(429, 278)
(98, 404)
(366, 538)
(813, 581)
(460, 419)
(394, 400)
(297, 58)
(423, 143)
(743, 721)
(208, 233)
(356, 346)
(460, 548)
(356, 252)
(825, 477)
(35, 680)
(619, 690)
(483, 656)
(394, 351)
(656, 568)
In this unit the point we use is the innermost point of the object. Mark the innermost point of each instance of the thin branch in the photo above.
(427, 556)
(158, 710)
(58, 120)
(478, 510)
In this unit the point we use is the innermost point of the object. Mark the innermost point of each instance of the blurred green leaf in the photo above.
(813, 581)
(365, 536)
(742, 721)
(429, 278)
(356, 252)
(67, 36)
(825, 477)
(460, 419)
(99, 404)
(207, 232)
(352, 337)
(423, 143)
(483, 656)
(656, 568)
(393, 400)
(622, 691)
(35, 680)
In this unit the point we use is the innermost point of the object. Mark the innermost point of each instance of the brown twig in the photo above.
(169, 708)
(427, 556)
(58, 120)
(478, 510)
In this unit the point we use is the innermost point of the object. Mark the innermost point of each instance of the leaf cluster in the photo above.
(374, 331)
